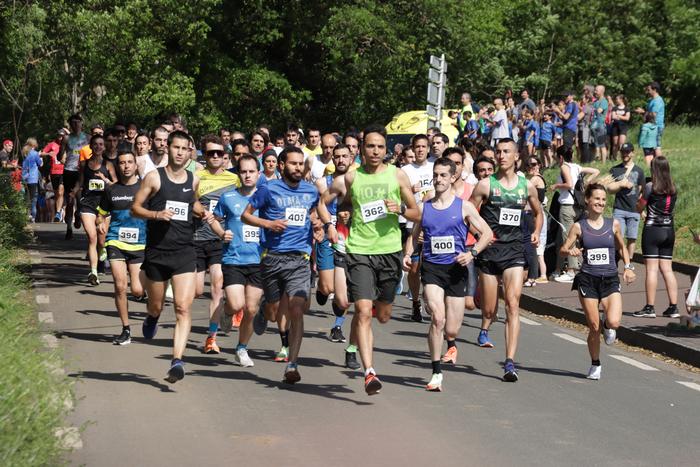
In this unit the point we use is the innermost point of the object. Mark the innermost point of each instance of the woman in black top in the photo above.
(532, 169)
(658, 237)
(620, 118)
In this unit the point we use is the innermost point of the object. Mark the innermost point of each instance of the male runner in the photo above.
(500, 199)
(171, 195)
(214, 180)
(71, 172)
(444, 224)
(125, 238)
(376, 191)
(284, 209)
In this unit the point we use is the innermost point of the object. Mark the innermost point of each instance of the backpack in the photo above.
(579, 197)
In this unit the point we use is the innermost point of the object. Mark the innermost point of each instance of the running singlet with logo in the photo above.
(598, 249)
(374, 230)
(244, 248)
(93, 185)
(659, 208)
(75, 144)
(444, 232)
(211, 187)
(277, 200)
(179, 199)
(126, 232)
(503, 210)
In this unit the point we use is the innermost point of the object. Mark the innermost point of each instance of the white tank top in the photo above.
(565, 197)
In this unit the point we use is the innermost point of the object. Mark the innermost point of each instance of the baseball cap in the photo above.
(7, 141)
(627, 147)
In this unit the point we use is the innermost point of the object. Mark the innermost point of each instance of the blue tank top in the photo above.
(444, 232)
(598, 249)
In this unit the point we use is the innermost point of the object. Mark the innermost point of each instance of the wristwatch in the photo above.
(474, 252)
(326, 225)
(629, 266)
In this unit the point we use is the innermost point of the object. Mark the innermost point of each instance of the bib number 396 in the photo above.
(373, 211)
(295, 216)
(178, 209)
(598, 257)
(442, 245)
(508, 216)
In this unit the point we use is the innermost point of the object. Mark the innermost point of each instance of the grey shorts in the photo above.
(599, 136)
(373, 277)
(285, 273)
(629, 223)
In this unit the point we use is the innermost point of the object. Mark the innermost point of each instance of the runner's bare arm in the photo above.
(412, 213)
(411, 246)
(568, 248)
(251, 219)
(628, 275)
(149, 186)
(476, 222)
(480, 193)
(536, 207)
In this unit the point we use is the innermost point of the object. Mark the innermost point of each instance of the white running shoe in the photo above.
(169, 291)
(594, 372)
(243, 359)
(566, 278)
(610, 335)
(435, 383)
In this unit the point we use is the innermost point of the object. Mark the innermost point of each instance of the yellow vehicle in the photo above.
(404, 125)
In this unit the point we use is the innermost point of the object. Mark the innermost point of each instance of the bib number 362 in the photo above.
(598, 257)
(442, 245)
(373, 211)
(178, 209)
(295, 216)
(508, 216)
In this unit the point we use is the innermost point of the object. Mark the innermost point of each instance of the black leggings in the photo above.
(657, 241)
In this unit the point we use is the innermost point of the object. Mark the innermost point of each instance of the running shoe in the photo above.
(149, 327)
(320, 298)
(484, 340)
(671, 312)
(210, 345)
(57, 217)
(510, 373)
(416, 315)
(142, 299)
(372, 384)
(542, 280)
(450, 356)
(291, 374)
(243, 358)
(351, 360)
(646, 312)
(565, 278)
(76, 221)
(609, 334)
(103, 254)
(282, 355)
(101, 267)
(93, 280)
(123, 339)
(176, 371)
(169, 292)
(594, 372)
(225, 322)
(435, 384)
(336, 335)
(399, 286)
(260, 322)
(237, 318)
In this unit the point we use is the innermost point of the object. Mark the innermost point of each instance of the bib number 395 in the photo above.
(442, 245)
(295, 216)
(508, 216)
(598, 257)
(251, 234)
(373, 211)
(178, 209)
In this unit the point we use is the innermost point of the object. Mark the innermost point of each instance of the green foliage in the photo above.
(13, 214)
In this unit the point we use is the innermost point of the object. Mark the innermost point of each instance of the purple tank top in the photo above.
(598, 249)
(444, 232)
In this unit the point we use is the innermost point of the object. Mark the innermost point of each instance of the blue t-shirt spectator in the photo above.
(547, 131)
(30, 167)
(571, 123)
(657, 106)
(472, 129)
(532, 132)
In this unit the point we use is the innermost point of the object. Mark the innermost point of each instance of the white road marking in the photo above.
(45, 317)
(42, 299)
(529, 321)
(569, 338)
(69, 437)
(634, 363)
(690, 385)
(36, 284)
(35, 259)
(50, 341)
(34, 252)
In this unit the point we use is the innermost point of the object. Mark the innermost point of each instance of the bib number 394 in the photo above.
(442, 245)
(128, 235)
(598, 257)
(295, 216)
(373, 211)
(508, 216)
(179, 210)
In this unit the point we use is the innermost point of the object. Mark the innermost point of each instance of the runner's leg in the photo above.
(512, 285)
(183, 291)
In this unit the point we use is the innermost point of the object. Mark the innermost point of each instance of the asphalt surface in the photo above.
(637, 414)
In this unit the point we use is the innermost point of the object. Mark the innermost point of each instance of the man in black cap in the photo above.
(627, 187)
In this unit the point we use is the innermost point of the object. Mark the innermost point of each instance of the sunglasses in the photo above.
(215, 153)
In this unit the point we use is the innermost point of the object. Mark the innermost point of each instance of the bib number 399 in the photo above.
(373, 211)
(508, 216)
(598, 257)
(295, 216)
(442, 245)
(178, 209)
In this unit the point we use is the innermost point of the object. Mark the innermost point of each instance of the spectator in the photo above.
(600, 110)
(533, 168)
(53, 151)
(569, 117)
(527, 103)
(6, 153)
(30, 174)
(628, 185)
(658, 107)
(649, 137)
(585, 139)
(547, 131)
(620, 117)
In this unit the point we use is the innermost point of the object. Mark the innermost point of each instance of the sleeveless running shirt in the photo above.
(179, 199)
(598, 249)
(374, 230)
(126, 232)
(444, 232)
(93, 185)
(503, 209)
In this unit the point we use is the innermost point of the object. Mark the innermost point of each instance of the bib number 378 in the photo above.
(508, 216)
(295, 216)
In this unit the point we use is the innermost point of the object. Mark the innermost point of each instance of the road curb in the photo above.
(625, 334)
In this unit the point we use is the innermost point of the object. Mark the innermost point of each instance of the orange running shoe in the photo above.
(210, 345)
(237, 318)
(450, 356)
(372, 384)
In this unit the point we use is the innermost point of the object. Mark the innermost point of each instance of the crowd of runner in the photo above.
(270, 218)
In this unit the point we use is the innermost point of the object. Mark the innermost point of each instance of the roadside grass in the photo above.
(34, 393)
(681, 144)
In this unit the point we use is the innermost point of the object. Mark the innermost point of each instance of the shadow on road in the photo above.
(122, 377)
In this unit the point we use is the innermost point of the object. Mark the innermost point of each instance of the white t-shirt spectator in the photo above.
(500, 129)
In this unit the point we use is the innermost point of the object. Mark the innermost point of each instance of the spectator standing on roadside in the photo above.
(627, 187)
(30, 173)
(569, 117)
(600, 110)
(527, 103)
(585, 139)
(649, 137)
(6, 153)
(658, 107)
(620, 118)
(53, 151)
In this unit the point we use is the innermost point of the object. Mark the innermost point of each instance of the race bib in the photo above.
(251, 234)
(212, 205)
(508, 216)
(334, 219)
(426, 184)
(96, 184)
(373, 211)
(442, 245)
(598, 256)
(128, 234)
(295, 216)
(178, 209)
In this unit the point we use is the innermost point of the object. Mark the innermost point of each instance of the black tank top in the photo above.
(178, 198)
(598, 248)
(94, 186)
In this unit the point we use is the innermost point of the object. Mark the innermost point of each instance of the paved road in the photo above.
(638, 414)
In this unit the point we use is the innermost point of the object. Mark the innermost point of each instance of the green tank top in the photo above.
(504, 209)
(374, 230)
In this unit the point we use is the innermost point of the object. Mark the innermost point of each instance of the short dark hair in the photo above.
(340, 146)
(293, 128)
(353, 135)
(262, 134)
(178, 134)
(249, 157)
(75, 117)
(211, 138)
(240, 142)
(444, 161)
(481, 159)
(454, 150)
(95, 138)
(158, 129)
(655, 86)
(445, 139)
(415, 138)
(591, 187)
(288, 150)
(374, 129)
(124, 147)
(566, 153)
